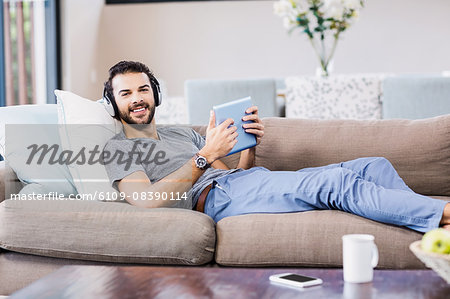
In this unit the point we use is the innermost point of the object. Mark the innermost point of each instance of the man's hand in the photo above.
(256, 127)
(219, 140)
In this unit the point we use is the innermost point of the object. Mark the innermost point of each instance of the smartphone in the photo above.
(295, 280)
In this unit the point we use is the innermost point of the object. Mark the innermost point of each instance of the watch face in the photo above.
(201, 162)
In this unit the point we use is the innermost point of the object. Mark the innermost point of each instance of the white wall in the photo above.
(238, 39)
(80, 23)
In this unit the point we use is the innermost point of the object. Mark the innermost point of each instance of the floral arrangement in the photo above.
(321, 20)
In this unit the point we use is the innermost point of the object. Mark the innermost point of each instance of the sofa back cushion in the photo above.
(22, 126)
(418, 149)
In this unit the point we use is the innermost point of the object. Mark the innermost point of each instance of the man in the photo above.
(182, 169)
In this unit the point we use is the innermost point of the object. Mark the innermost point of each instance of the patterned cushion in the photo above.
(173, 110)
(334, 97)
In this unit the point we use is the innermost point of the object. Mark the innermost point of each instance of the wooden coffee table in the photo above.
(201, 282)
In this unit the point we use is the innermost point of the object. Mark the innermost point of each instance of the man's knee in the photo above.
(371, 160)
(342, 176)
(342, 185)
(381, 162)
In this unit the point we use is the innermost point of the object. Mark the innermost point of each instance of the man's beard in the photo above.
(126, 117)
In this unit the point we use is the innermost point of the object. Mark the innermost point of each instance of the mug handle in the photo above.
(374, 255)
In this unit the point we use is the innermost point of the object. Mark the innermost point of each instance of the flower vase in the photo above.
(325, 72)
(324, 46)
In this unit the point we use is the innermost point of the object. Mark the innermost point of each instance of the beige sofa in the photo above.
(37, 237)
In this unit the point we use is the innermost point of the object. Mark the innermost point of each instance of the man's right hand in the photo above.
(219, 140)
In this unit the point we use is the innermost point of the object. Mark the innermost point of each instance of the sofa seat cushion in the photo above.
(310, 238)
(104, 231)
(418, 149)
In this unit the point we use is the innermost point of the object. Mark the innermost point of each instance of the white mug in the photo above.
(360, 256)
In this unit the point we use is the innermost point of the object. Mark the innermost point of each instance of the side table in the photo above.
(201, 282)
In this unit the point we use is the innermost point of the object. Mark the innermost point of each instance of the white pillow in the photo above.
(22, 126)
(86, 125)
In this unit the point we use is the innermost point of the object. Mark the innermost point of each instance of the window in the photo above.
(147, 1)
(29, 52)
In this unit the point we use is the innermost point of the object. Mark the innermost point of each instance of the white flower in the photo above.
(282, 8)
(287, 23)
(312, 21)
(355, 15)
(298, 13)
(300, 6)
(352, 4)
(333, 9)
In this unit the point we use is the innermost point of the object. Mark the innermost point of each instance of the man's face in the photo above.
(134, 98)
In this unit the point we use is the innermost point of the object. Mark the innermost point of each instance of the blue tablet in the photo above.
(236, 111)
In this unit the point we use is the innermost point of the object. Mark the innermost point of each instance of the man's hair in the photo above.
(125, 67)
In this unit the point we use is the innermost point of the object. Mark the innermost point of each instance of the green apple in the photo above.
(436, 240)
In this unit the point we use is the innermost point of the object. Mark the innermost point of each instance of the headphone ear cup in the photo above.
(109, 107)
(156, 93)
(108, 104)
(159, 98)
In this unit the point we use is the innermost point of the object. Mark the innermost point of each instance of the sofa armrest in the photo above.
(2, 181)
(106, 231)
(9, 183)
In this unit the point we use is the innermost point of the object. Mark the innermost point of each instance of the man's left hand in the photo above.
(256, 127)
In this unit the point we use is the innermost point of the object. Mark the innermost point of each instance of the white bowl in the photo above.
(440, 263)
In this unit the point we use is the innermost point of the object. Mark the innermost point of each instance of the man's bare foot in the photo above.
(445, 221)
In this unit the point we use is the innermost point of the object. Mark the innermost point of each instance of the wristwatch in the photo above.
(201, 162)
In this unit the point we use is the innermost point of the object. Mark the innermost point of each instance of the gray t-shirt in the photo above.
(159, 158)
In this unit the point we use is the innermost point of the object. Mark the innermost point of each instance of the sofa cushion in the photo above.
(111, 232)
(86, 125)
(342, 96)
(307, 239)
(418, 149)
(22, 126)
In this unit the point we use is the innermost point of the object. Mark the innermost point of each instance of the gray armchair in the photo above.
(202, 95)
(415, 96)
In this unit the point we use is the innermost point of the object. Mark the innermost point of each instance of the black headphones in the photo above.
(111, 106)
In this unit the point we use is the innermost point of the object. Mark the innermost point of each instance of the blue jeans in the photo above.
(368, 187)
